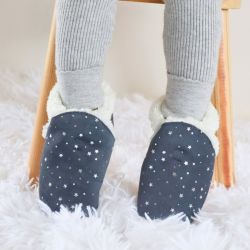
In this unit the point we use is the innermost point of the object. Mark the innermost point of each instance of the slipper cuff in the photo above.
(208, 125)
(55, 107)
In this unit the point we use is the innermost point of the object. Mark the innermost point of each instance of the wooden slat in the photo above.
(227, 4)
(41, 115)
(224, 173)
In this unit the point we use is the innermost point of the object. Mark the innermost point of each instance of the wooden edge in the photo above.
(224, 171)
(227, 4)
(48, 80)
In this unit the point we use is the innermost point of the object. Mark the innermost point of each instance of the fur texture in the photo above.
(223, 224)
(209, 125)
(55, 107)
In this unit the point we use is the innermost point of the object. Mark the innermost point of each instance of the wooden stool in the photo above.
(224, 171)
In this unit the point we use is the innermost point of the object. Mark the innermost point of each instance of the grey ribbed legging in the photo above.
(192, 30)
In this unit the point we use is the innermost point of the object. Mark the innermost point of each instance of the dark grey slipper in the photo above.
(77, 151)
(177, 171)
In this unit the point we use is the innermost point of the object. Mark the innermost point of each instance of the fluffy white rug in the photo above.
(224, 224)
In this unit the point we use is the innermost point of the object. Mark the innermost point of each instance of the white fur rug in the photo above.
(224, 224)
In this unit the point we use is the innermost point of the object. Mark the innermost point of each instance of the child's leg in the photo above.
(178, 168)
(192, 35)
(84, 30)
(79, 138)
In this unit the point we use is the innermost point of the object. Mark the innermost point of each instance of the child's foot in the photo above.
(178, 168)
(76, 154)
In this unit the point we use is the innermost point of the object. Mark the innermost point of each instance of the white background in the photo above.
(135, 62)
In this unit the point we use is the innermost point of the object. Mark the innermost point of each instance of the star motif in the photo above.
(50, 184)
(170, 132)
(92, 143)
(81, 135)
(151, 184)
(76, 146)
(60, 198)
(152, 151)
(208, 169)
(96, 151)
(193, 163)
(185, 163)
(146, 203)
(174, 174)
(61, 155)
(76, 194)
(150, 167)
(163, 159)
(80, 171)
(189, 147)
(89, 153)
(190, 205)
(188, 128)
(64, 133)
(164, 152)
(181, 195)
(193, 189)
(65, 185)
(95, 176)
(172, 210)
